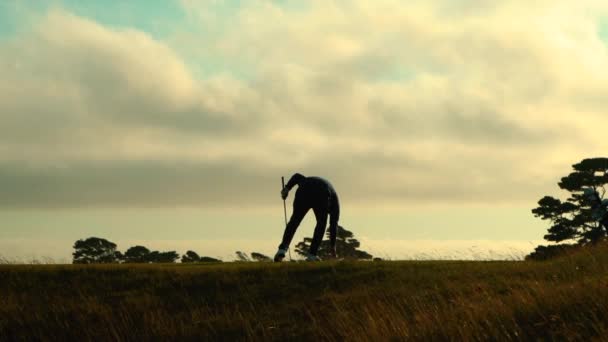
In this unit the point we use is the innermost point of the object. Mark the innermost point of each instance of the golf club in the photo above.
(285, 211)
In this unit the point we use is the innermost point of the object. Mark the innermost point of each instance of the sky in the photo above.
(170, 123)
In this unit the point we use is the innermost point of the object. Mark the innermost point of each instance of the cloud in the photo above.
(131, 184)
(429, 101)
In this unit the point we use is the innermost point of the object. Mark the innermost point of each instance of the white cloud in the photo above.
(425, 101)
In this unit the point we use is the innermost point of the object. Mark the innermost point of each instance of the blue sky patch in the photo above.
(603, 29)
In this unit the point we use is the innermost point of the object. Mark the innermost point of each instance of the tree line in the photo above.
(95, 250)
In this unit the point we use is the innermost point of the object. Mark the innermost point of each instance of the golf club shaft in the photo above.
(285, 212)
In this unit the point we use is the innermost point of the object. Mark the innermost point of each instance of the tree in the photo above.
(95, 250)
(157, 257)
(141, 254)
(190, 256)
(572, 219)
(260, 257)
(137, 254)
(209, 259)
(241, 256)
(551, 251)
(346, 246)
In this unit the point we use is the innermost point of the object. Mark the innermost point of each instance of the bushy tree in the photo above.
(209, 259)
(95, 250)
(241, 256)
(572, 219)
(137, 254)
(260, 257)
(157, 257)
(190, 256)
(346, 246)
(551, 251)
(141, 254)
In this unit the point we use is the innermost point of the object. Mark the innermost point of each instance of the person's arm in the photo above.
(293, 181)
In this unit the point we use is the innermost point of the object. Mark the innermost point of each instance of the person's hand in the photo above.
(284, 193)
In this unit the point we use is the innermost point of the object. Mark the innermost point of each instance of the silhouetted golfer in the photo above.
(319, 195)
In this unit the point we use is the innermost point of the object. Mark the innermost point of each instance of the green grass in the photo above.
(566, 298)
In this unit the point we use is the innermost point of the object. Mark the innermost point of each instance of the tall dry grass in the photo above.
(563, 299)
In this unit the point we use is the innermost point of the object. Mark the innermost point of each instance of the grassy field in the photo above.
(566, 298)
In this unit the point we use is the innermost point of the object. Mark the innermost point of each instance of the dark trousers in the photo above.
(303, 202)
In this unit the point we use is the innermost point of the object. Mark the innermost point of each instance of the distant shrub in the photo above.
(190, 256)
(242, 256)
(260, 257)
(209, 259)
(137, 254)
(551, 251)
(347, 246)
(95, 250)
